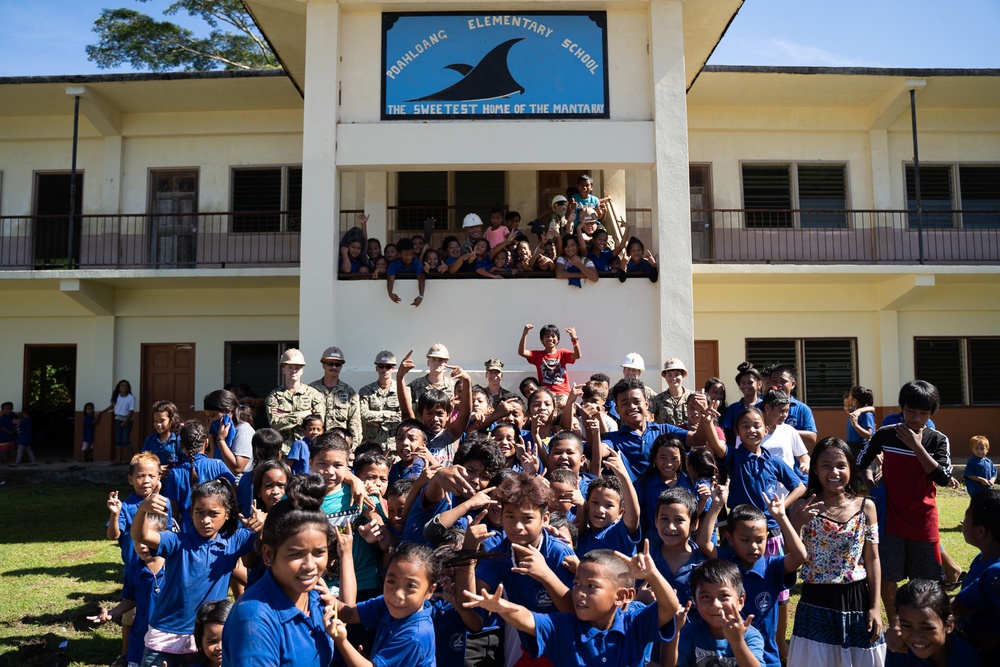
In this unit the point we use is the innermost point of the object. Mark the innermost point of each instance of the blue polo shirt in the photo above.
(960, 654)
(800, 416)
(298, 457)
(763, 582)
(978, 467)
(636, 448)
(177, 487)
(402, 642)
(752, 475)
(421, 513)
(866, 421)
(649, 488)
(615, 537)
(145, 588)
(244, 493)
(450, 632)
(129, 507)
(169, 452)
(697, 644)
(520, 588)
(24, 432)
(397, 266)
(728, 419)
(266, 629)
(680, 580)
(198, 571)
(980, 593)
(400, 471)
(566, 640)
(213, 432)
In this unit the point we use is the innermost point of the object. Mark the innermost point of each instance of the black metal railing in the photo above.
(724, 236)
(161, 241)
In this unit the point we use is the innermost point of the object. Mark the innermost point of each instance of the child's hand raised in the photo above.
(571, 331)
(640, 566)
(154, 502)
(735, 626)
(492, 602)
(255, 521)
(102, 617)
(615, 463)
(477, 532)
(458, 372)
(406, 365)
(362, 218)
(345, 539)
(681, 617)
(775, 505)
(805, 510)
(114, 505)
(528, 327)
(720, 493)
(529, 561)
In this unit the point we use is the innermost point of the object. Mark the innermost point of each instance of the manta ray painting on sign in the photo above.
(524, 65)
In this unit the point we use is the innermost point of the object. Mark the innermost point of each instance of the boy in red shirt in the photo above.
(552, 361)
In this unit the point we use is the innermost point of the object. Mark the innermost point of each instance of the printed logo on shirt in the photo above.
(552, 372)
(704, 658)
(457, 641)
(543, 600)
(763, 601)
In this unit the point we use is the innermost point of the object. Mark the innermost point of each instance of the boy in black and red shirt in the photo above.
(552, 361)
(916, 458)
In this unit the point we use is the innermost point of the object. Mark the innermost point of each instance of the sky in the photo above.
(48, 37)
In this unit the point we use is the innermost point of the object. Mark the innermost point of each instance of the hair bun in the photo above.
(306, 492)
(744, 367)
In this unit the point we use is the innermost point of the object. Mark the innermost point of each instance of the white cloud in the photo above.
(780, 51)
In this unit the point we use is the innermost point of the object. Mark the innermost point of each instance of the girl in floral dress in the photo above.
(839, 618)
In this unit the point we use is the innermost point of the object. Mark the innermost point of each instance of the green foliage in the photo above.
(129, 36)
(49, 387)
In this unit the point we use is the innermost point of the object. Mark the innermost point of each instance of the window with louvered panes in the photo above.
(826, 368)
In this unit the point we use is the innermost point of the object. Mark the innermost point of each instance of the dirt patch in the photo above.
(78, 555)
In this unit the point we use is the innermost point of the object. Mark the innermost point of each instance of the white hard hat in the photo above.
(633, 360)
(471, 220)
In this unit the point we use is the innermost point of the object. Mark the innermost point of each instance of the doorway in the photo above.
(51, 226)
(706, 361)
(174, 225)
(167, 375)
(49, 396)
(700, 177)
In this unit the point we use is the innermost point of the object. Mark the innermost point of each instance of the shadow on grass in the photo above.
(84, 572)
(43, 650)
(61, 513)
(76, 617)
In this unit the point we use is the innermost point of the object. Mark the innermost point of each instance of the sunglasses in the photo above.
(383, 367)
(333, 364)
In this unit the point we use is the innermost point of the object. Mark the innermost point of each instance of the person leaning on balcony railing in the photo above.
(573, 265)
(405, 263)
(293, 401)
(639, 261)
(352, 256)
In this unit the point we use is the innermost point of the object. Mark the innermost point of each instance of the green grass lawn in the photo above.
(56, 569)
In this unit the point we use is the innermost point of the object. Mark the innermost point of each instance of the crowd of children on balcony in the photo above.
(436, 522)
(570, 242)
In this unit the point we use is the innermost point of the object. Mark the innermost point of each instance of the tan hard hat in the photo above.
(292, 357)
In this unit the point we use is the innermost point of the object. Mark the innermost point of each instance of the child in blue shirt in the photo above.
(144, 578)
(266, 446)
(764, 577)
(675, 552)
(668, 471)
(977, 605)
(859, 403)
(165, 442)
(143, 475)
(197, 469)
(25, 434)
(405, 633)
(298, 455)
(411, 437)
(603, 629)
(717, 633)
(611, 514)
(980, 473)
(208, 626)
(927, 629)
(406, 263)
(90, 419)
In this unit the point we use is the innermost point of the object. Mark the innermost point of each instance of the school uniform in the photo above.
(800, 416)
(169, 452)
(198, 571)
(697, 645)
(680, 580)
(403, 642)
(244, 494)
(401, 471)
(567, 641)
(177, 487)
(213, 434)
(648, 491)
(615, 537)
(960, 654)
(520, 588)
(129, 507)
(636, 448)
(752, 475)
(981, 594)
(422, 512)
(450, 633)
(144, 586)
(732, 413)
(266, 629)
(763, 582)
(978, 467)
(298, 457)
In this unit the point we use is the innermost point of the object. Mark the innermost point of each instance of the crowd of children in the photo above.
(571, 243)
(562, 525)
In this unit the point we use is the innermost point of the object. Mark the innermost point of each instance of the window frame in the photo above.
(965, 370)
(289, 221)
(455, 216)
(795, 194)
(801, 367)
(955, 179)
(279, 345)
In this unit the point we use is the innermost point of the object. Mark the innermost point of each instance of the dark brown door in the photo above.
(167, 375)
(706, 361)
(174, 225)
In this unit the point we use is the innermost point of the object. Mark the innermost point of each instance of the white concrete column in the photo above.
(377, 204)
(889, 353)
(878, 144)
(614, 186)
(671, 198)
(111, 188)
(320, 183)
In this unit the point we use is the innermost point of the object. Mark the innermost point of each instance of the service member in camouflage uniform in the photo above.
(293, 401)
(438, 377)
(494, 391)
(339, 398)
(670, 407)
(380, 413)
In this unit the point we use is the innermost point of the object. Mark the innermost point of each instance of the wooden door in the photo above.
(174, 225)
(706, 361)
(167, 375)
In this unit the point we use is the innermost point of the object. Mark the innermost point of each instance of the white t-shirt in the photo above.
(243, 446)
(123, 406)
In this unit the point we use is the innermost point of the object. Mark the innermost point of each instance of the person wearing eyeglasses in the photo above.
(380, 413)
(342, 407)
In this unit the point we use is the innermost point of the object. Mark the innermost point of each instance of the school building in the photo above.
(201, 236)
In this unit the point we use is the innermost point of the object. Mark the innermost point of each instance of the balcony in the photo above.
(742, 236)
(174, 241)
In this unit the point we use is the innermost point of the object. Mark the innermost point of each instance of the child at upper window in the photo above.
(551, 362)
(477, 260)
(574, 266)
(585, 197)
(406, 263)
(352, 257)
(498, 231)
(473, 226)
(980, 473)
(639, 261)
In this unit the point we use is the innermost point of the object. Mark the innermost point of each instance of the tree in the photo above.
(126, 35)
